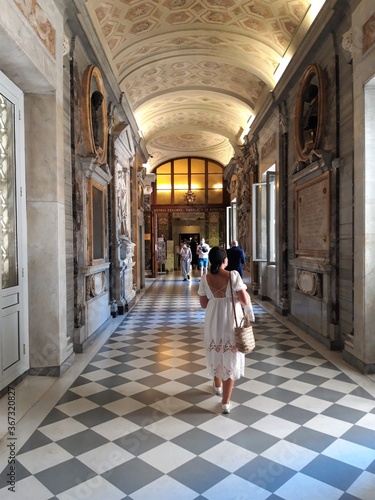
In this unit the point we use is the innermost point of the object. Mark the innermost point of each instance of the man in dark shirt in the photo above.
(193, 248)
(236, 257)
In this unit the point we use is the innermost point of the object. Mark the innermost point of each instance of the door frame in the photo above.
(7, 306)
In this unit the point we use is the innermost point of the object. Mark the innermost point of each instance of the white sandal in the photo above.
(218, 390)
(225, 409)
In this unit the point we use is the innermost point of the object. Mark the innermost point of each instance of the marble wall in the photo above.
(331, 295)
(360, 347)
(37, 69)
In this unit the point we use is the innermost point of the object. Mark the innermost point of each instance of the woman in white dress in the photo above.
(225, 364)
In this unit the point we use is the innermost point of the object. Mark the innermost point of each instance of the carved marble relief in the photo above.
(126, 250)
(96, 284)
(308, 282)
(123, 246)
(123, 205)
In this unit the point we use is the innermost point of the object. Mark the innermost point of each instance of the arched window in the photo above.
(189, 181)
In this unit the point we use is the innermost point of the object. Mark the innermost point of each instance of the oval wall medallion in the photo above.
(309, 112)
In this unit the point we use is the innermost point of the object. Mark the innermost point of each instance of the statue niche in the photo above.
(94, 114)
(310, 117)
(122, 203)
(309, 112)
(96, 102)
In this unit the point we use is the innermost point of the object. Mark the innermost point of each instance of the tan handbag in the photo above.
(245, 341)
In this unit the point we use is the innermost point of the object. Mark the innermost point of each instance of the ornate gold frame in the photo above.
(311, 72)
(92, 80)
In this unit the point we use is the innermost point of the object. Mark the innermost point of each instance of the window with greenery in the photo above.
(193, 181)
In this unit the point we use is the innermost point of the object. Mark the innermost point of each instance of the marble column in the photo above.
(360, 346)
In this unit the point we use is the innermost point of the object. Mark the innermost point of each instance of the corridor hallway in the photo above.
(139, 419)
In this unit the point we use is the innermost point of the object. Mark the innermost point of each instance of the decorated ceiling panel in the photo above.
(195, 71)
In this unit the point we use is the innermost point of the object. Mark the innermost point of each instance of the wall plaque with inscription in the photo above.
(312, 202)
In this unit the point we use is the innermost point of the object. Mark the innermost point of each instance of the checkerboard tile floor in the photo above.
(141, 421)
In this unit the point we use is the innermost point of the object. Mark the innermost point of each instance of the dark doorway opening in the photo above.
(187, 237)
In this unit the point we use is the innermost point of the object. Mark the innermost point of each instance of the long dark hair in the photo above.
(216, 257)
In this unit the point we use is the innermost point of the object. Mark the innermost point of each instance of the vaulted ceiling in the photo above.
(195, 72)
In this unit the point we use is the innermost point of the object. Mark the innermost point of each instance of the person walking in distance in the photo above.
(236, 258)
(193, 248)
(224, 362)
(185, 261)
(202, 252)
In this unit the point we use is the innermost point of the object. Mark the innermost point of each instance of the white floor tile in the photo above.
(290, 455)
(76, 407)
(43, 457)
(97, 375)
(26, 489)
(118, 428)
(297, 386)
(324, 372)
(275, 426)
(171, 405)
(173, 388)
(222, 427)
(264, 404)
(368, 421)
(311, 404)
(364, 487)
(285, 372)
(62, 429)
(328, 425)
(229, 456)
(357, 403)
(164, 488)
(105, 457)
(254, 386)
(337, 385)
(124, 406)
(302, 487)
(167, 457)
(169, 427)
(105, 363)
(236, 488)
(88, 389)
(96, 488)
(350, 453)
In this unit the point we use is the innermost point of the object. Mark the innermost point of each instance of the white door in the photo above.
(14, 355)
